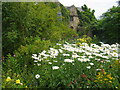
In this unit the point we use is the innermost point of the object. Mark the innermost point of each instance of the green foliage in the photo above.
(109, 26)
(52, 4)
(87, 21)
(65, 14)
(23, 54)
(9, 63)
(22, 20)
(87, 15)
(37, 43)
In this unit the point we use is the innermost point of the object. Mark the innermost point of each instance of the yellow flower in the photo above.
(104, 73)
(110, 81)
(8, 79)
(95, 81)
(98, 73)
(105, 79)
(17, 81)
(98, 77)
(109, 76)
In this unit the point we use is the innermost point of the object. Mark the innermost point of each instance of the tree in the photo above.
(109, 26)
(22, 20)
(87, 20)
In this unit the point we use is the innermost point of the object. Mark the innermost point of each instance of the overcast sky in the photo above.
(100, 6)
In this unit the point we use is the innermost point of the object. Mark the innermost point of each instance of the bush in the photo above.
(23, 54)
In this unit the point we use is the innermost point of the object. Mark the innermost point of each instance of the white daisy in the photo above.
(88, 67)
(37, 76)
(68, 60)
(55, 67)
(91, 63)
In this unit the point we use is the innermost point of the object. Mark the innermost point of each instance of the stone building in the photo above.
(74, 20)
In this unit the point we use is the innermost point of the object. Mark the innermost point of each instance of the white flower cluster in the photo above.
(82, 53)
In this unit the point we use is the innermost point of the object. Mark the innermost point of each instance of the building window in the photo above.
(71, 18)
(71, 27)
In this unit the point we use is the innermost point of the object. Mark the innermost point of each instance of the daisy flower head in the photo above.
(55, 67)
(91, 63)
(88, 67)
(37, 76)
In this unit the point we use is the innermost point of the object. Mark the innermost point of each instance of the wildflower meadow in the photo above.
(70, 65)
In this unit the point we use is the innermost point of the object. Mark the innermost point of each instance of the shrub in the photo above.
(23, 54)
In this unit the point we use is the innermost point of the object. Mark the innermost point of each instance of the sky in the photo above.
(100, 6)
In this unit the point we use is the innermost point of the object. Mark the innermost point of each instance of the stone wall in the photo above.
(74, 20)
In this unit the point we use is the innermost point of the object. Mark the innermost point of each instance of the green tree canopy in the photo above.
(87, 19)
(22, 20)
(109, 25)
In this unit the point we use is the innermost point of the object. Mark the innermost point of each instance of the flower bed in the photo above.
(68, 65)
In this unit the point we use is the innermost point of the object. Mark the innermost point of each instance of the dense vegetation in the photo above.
(109, 26)
(40, 50)
(87, 21)
(24, 21)
(106, 28)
